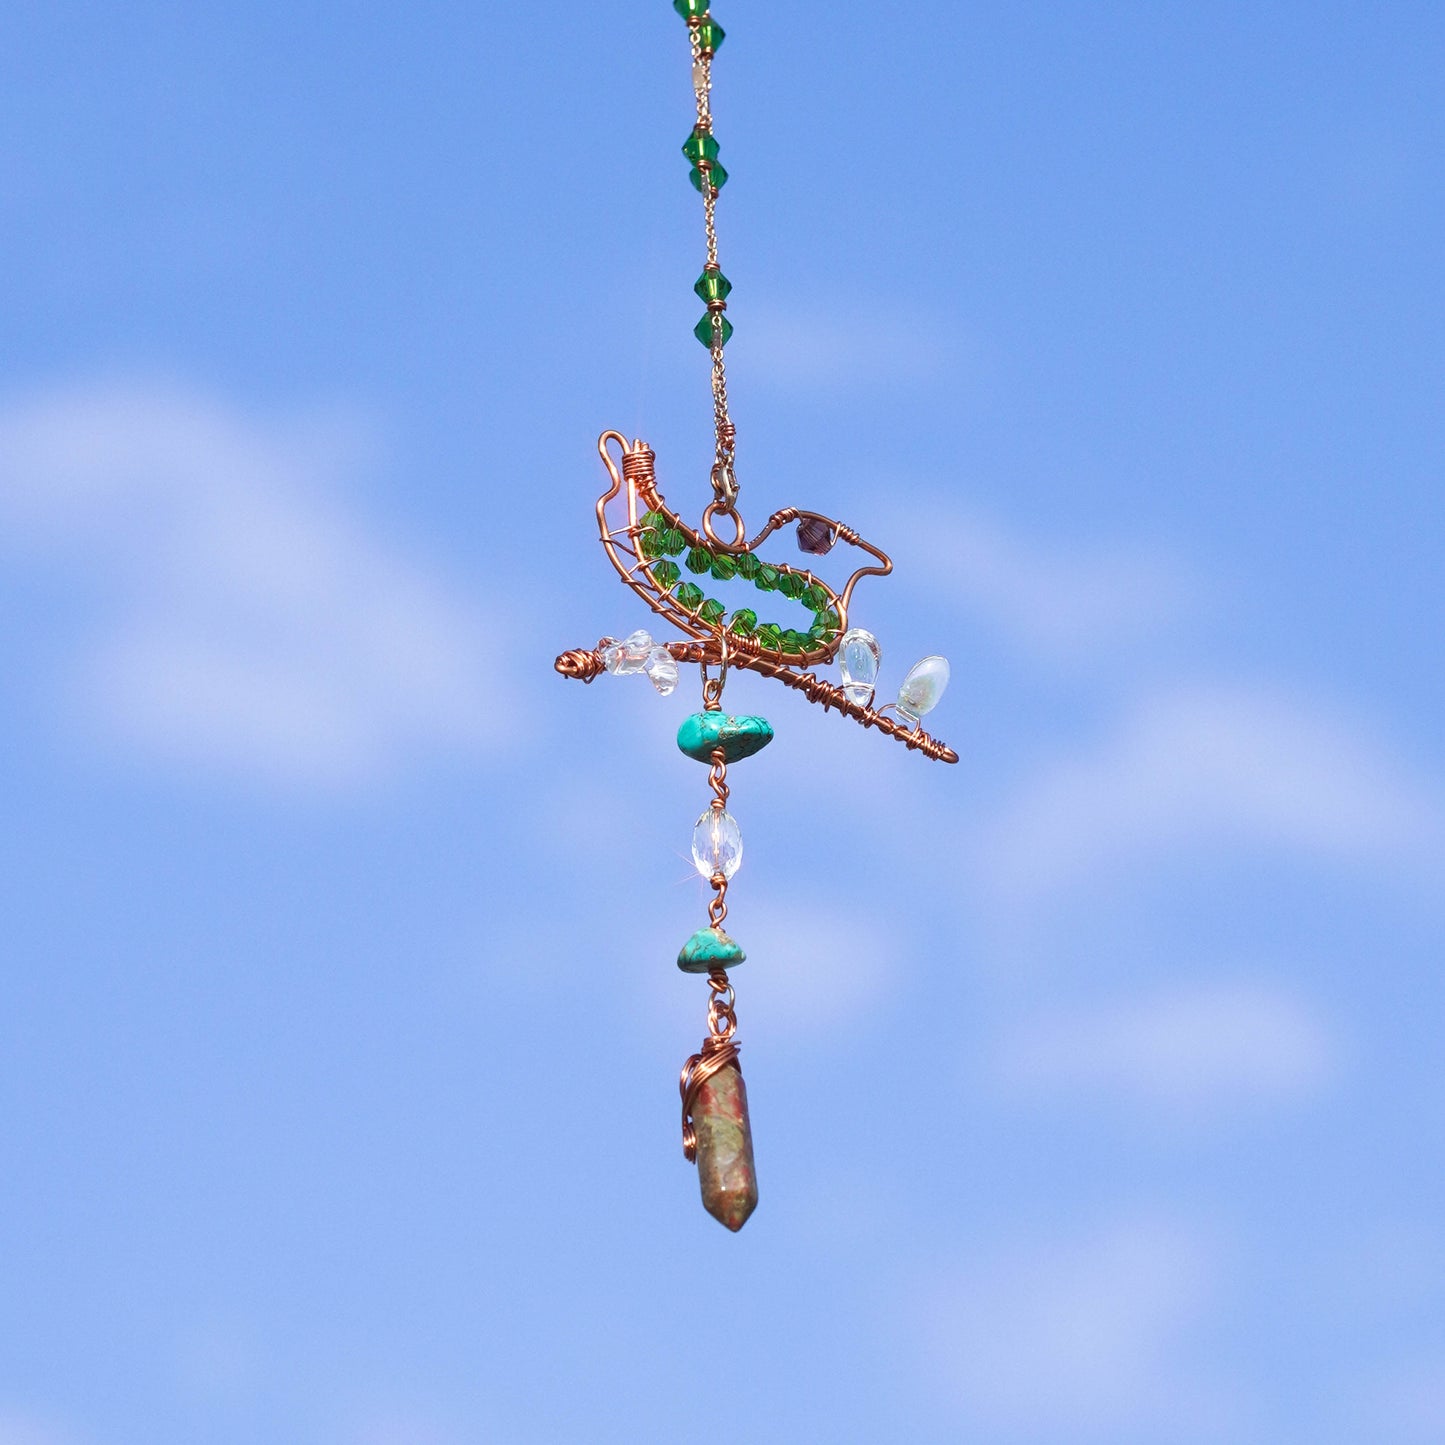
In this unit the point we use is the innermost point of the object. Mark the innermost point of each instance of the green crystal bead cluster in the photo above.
(659, 540)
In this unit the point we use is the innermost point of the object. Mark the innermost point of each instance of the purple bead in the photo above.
(815, 536)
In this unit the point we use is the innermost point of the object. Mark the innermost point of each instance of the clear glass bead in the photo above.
(859, 658)
(717, 845)
(661, 670)
(628, 656)
(923, 687)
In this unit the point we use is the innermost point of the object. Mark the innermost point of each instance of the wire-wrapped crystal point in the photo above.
(859, 658)
(725, 1169)
(717, 845)
(923, 687)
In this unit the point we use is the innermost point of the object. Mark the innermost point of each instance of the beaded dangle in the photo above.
(643, 538)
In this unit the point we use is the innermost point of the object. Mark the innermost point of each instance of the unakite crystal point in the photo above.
(710, 948)
(738, 737)
(725, 1169)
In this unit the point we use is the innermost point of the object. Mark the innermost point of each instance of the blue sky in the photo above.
(1095, 1080)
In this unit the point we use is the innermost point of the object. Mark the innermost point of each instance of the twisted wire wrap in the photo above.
(719, 1050)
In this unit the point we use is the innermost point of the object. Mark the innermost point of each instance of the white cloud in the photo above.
(802, 349)
(245, 620)
(1213, 766)
(1056, 601)
(1193, 1049)
(1075, 1339)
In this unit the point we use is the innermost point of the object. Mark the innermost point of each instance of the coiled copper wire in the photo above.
(719, 1050)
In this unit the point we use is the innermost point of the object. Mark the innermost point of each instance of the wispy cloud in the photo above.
(1214, 765)
(1053, 599)
(1075, 1338)
(1195, 1050)
(243, 618)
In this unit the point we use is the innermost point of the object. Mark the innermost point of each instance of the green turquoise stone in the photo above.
(707, 949)
(665, 574)
(699, 560)
(738, 737)
(689, 596)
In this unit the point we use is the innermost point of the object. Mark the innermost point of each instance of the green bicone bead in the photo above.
(724, 567)
(813, 597)
(689, 596)
(699, 560)
(790, 584)
(767, 578)
(748, 566)
(665, 574)
(690, 8)
(712, 611)
(794, 641)
(649, 543)
(707, 949)
(739, 737)
(710, 36)
(821, 636)
(672, 542)
(769, 635)
(716, 174)
(704, 329)
(658, 521)
(712, 286)
(826, 619)
(701, 145)
(744, 621)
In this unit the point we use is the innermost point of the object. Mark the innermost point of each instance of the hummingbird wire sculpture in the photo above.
(643, 537)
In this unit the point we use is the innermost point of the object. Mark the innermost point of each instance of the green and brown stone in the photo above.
(725, 1169)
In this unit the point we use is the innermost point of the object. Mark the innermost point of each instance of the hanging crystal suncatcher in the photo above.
(669, 565)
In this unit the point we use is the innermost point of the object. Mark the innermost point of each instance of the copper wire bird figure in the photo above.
(643, 536)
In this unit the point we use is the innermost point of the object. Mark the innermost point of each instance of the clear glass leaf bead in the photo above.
(859, 658)
(923, 687)
(717, 845)
(661, 670)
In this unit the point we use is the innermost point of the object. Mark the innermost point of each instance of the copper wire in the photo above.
(719, 1051)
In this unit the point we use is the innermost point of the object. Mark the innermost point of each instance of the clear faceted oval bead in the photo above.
(859, 658)
(923, 687)
(717, 845)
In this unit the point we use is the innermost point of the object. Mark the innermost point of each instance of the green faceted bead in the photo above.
(813, 597)
(712, 611)
(699, 560)
(822, 636)
(716, 174)
(794, 641)
(650, 545)
(689, 8)
(672, 542)
(827, 619)
(713, 286)
(701, 145)
(710, 36)
(704, 329)
(724, 568)
(790, 584)
(689, 596)
(770, 635)
(665, 574)
(767, 578)
(745, 620)
(658, 521)
(748, 566)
